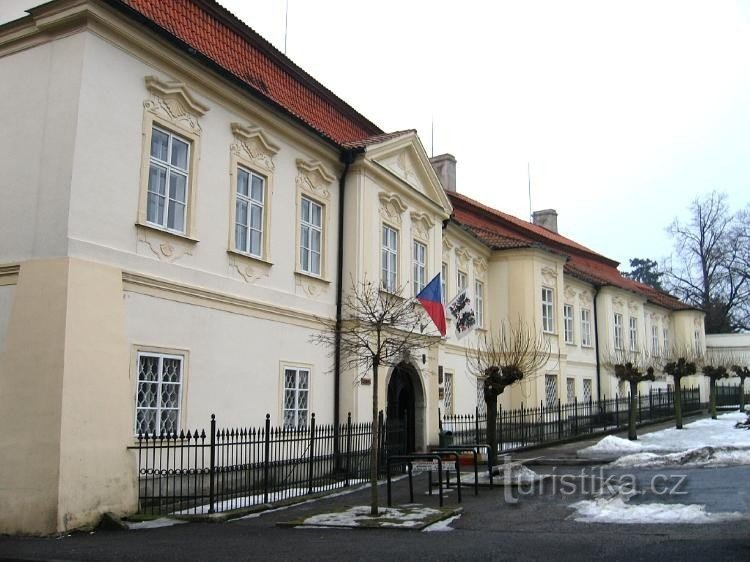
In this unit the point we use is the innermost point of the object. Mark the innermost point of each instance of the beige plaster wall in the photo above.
(7, 296)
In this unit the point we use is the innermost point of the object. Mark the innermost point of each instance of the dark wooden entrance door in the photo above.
(400, 412)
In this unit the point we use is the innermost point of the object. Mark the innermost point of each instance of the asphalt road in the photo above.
(538, 527)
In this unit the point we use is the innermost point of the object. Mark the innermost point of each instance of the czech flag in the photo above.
(431, 299)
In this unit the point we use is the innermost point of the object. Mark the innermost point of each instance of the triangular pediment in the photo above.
(405, 158)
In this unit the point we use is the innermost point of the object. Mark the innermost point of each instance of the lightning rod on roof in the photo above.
(432, 136)
(528, 175)
(286, 23)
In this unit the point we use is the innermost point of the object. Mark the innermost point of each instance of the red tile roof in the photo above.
(214, 32)
(501, 231)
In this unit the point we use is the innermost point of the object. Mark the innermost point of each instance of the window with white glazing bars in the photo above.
(168, 180)
(296, 396)
(158, 395)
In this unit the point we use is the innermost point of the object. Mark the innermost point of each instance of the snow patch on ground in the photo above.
(441, 526)
(700, 457)
(513, 474)
(618, 510)
(702, 433)
(153, 524)
(357, 516)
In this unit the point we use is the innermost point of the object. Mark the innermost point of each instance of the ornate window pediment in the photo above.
(252, 144)
(391, 206)
(313, 178)
(480, 266)
(422, 223)
(549, 274)
(173, 102)
(463, 256)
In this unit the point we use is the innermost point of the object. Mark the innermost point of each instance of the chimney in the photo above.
(546, 218)
(445, 168)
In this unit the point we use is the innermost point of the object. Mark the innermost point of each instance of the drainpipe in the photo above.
(596, 346)
(347, 157)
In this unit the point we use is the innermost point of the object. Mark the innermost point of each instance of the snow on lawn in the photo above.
(153, 523)
(359, 516)
(719, 433)
(441, 526)
(618, 510)
(700, 457)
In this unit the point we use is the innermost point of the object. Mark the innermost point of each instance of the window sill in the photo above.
(311, 277)
(250, 258)
(155, 228)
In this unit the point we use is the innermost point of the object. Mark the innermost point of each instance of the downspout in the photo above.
(596, 347)
(347, 157)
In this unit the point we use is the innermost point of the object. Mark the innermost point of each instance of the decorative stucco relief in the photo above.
(252, 144)
(311, 287)
(617, 302)
(247, 271)
(569, 292)
(447, 245)
(403, 169)
(173, 102)
(463, 257)
(163, 247)
(391, 206)
(421, 223)
(480, 266)
(634, 306)
(314, 178)
(586, 298)
(549, 275)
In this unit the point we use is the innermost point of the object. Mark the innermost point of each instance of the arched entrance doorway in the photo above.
(405, 410)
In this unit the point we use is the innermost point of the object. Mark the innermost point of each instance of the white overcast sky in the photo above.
(626, 111)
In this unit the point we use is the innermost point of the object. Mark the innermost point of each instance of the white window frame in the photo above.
(570, 396)
(297, 391)
(462, 281)
(159, 421)
(665, 339)
(479, 303)
(568, 324)
(655, 340)
(586, 327)
(588, 388)
(171, 171)
(549, 400)
(251, 203)
(307, 225)
(618, 335)
(389, 258)
(419, 266)
(633, 335)
(444, 283)
(698, 348)
(548, 310)
(448, 393)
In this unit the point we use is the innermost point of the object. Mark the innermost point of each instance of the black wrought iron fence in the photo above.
(224, 469)
(729, 395)
(525, 427)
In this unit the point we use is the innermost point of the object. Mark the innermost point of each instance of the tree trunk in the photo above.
(712, 397)
(633, 411)
(492, 427)
(374, 447)
(742, 394)
(677, 402)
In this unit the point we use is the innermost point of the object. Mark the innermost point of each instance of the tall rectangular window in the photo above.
(665, 339)
(697, 343)
(448, 393)
(587, 393)
(568, 323)
(310, 236)
(548, 310)
(158, 395)
(618, 331)
(461, 281)
(585, 327)
(389, 259)
(296, 397)
(419, 261)
(481, 404)
(444, 283)
(479, 303)
(633, 333)
(571, 390)
(654, 340)
(550, 390)
(168, 180)
(248, 222)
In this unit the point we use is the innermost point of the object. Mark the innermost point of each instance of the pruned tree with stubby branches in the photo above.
(741, 370)
(715, 367)
(632, 366)
(514, 352)
(378, 328)
(679, 362)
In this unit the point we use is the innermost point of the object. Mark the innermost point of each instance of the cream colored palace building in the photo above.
(181, 203)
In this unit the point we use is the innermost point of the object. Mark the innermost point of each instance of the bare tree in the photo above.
(503, 357)
(378, 328)
(740, 369)
(710, 266)
(715, 367)
(680, 362)
(632, 366)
